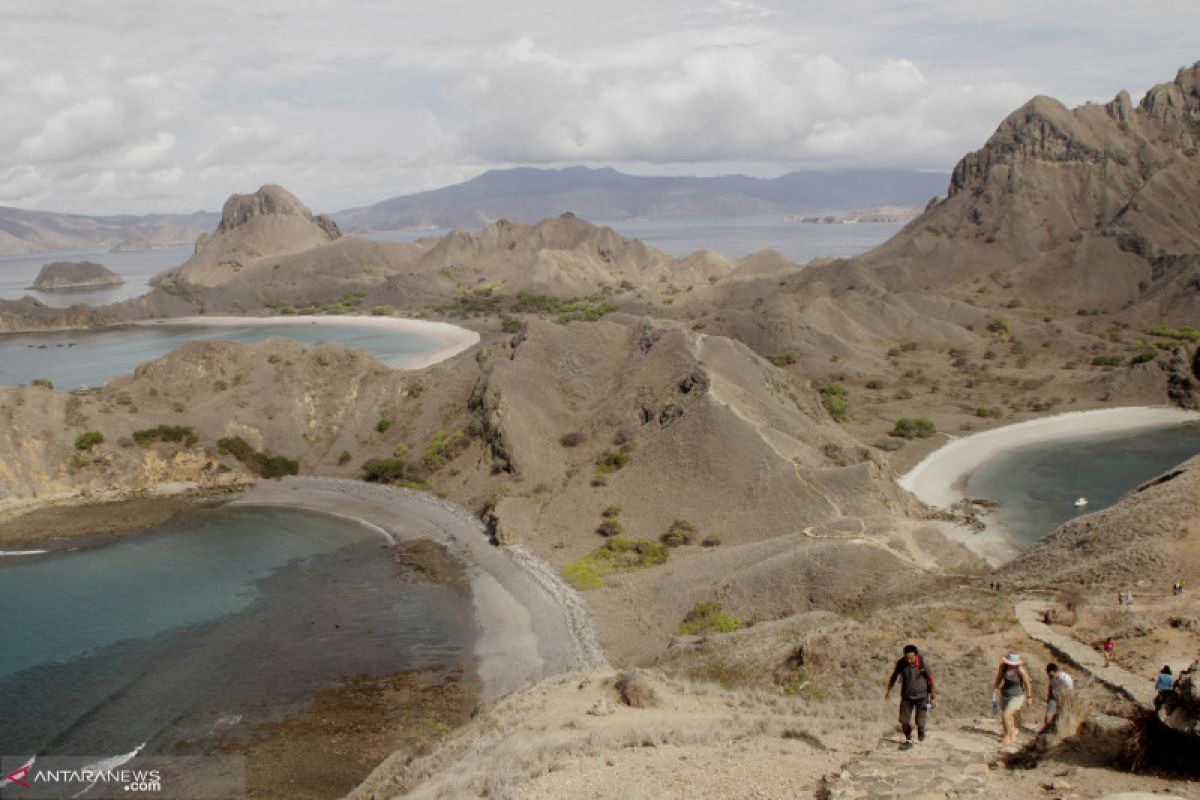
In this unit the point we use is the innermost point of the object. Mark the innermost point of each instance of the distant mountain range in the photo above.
(523, 195)
(24, 231)
(528, 195)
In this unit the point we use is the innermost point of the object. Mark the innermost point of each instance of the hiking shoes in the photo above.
(920, 736)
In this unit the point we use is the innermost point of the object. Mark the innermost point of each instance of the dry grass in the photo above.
(636, 690)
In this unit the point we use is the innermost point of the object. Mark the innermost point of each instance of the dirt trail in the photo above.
(1088, 659)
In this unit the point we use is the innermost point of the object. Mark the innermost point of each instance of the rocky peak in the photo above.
(267, 201)
(1176, 106)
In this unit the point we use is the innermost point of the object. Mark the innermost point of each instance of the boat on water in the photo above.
(1081, 502)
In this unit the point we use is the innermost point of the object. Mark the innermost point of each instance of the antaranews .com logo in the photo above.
(99, 778)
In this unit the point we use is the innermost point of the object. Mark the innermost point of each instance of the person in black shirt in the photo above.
(916, 692)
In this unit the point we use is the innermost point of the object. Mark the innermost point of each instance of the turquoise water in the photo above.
(229, 617)
(72, 359)
(1037, 485)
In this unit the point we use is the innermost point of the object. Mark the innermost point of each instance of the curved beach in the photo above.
(531, 624)
(454, 339)
(940, 478)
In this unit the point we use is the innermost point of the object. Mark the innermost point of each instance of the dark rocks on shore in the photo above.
(75, 275)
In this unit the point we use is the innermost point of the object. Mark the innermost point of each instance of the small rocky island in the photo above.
(75, 275)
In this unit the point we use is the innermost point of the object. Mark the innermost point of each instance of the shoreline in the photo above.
(531, 625)
(454, 339)
(939, 479)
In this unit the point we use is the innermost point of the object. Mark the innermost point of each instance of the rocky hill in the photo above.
(75, 275)
(526, 194)
(23, 231)
(544, 433)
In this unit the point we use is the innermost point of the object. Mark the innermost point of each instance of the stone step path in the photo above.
(948, 764)
(1136, 687)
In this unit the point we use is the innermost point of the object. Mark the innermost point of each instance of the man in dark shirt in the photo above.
(916, 692)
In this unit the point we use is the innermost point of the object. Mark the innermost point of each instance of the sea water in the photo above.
(1037, 485)
(228, 617)
(739, 236)
(136, 267)
(74, 358)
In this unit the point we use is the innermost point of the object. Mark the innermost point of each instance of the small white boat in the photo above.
(1081, 502)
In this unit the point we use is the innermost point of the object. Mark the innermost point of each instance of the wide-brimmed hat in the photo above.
(1013, 659)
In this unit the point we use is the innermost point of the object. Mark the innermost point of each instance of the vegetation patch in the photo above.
(707, 617)
(88, 440)
(166, 433)
(919, 428)
(611, 461)
(262, 464)
(618, 554)
(786, 358)
(443, 447)
(384, 470)
(383, 425)
(1185, 333)
(680, 533)
(45, 383)
(836, 399)
(568, 310)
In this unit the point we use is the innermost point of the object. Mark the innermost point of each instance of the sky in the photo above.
(143, 106)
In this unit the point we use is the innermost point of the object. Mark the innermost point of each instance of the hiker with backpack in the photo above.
(916, 692)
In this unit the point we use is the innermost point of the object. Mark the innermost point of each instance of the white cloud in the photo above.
(752, 102)
(139, 106)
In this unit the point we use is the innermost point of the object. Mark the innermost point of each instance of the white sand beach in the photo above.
(453, 338)
(531, 624)
(940, 478)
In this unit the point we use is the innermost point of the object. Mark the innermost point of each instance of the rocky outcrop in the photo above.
(75, 275)
(31, 314)
(267, 201)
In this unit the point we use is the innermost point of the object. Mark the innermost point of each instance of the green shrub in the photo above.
(919, 428)
(1000, 327)
(45, 383)
(680, 533)
(443, 447)
(581, 575)
(382, 311)
(165, 433)
(383, 425)
(610, 526)
(991, 411)
(384, 470)
(1106, 361)
(616, 555)
(344, 458)
(1184, 333)
(512, 325)
(786, 358)
(711, 540)
(707, 617)
(88, 440)
(611, 461)
(263, 464)
(492, 498)
(611, 510)
(836, 400)
(1143, 356)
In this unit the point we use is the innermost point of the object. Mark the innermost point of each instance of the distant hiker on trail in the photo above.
(1110, 649)
(1163, 686)
(916, 692)
(1013, 688)
(1061, 685)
